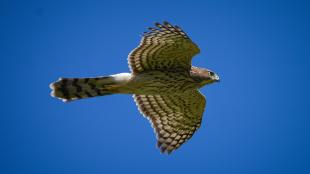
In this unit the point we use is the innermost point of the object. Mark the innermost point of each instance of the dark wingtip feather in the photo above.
(159, 144)
(152, 29)
(166, 23)
(157, 24)
(177, 27)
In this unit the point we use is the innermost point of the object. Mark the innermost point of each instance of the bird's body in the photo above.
(155, 82)
(163, 83)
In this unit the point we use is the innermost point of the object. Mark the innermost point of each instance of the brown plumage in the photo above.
(163, 82)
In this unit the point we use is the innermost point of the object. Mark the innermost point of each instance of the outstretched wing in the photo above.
(174, 118)
(163, 47)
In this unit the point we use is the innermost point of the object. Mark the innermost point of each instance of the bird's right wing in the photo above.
(174, 118)
(164, 47)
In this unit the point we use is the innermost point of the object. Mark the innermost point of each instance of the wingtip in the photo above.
(153, 29)
(166, 23)
(165, 150)
(157, 24)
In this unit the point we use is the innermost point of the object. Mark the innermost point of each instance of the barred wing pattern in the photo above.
(174, 118)
(163, 47)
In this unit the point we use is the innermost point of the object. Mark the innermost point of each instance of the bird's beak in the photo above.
(217, 78)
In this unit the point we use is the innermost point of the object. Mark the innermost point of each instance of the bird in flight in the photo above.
(162, 81)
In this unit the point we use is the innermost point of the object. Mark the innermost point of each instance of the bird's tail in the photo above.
(69, 89)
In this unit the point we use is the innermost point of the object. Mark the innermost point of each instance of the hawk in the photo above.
(162, 81)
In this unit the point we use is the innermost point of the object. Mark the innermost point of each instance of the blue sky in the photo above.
(257, 119)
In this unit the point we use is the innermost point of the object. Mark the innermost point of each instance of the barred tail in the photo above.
(69, 89)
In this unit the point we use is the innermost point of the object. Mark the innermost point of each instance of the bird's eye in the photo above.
(211, 73)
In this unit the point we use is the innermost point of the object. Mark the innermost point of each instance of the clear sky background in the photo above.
(257, 119)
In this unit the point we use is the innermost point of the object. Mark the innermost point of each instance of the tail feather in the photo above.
(69, 89)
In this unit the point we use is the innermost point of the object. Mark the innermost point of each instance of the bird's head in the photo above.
(204, 76)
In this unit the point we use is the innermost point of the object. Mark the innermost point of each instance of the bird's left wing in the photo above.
(164, 47)
(174, 118)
